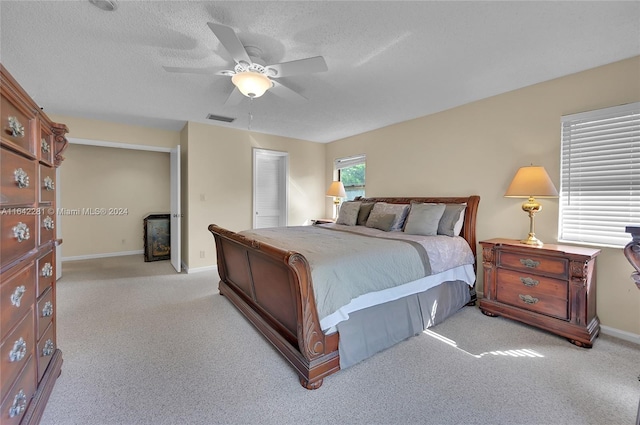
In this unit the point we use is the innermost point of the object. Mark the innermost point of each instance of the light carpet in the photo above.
(145, 345)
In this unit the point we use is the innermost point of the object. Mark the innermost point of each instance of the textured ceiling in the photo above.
(388, 61)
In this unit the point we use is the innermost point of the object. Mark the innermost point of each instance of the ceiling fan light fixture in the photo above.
(251, 84)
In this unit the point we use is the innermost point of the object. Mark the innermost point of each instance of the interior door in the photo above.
(176, 213)
(270, 177)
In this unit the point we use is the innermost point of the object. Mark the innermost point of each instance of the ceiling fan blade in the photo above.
(230, 41)
(235, 97)
(301, 66)
(285, 92)
(206, 71)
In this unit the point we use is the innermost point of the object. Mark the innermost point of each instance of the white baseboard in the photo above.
(607, 330)
(104, 255)
(201, 269)
(627, 336)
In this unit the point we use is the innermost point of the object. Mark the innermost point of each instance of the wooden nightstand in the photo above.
(323, 221)
(552, 287)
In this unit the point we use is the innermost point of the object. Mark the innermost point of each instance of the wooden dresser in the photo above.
(552, 287)
(30, 150)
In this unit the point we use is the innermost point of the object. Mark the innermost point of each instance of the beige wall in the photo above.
(131, 182)
(82, 128)
(478, 147)
(220, 183)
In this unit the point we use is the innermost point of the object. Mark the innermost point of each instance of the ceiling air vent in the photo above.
(220, 118)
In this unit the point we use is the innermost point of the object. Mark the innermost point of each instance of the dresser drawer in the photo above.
(15, 350)
(47, 193)
(46, 347)
(18, 179)
(532, 300)
(533, 284)
(19, 235)
(17, 296)
(17, 400)
(549, 266)
(46, 268)
(17, 125)
(45, 147)
(45, 311)
(47, 221)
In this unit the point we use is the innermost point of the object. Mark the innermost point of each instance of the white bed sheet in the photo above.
(464, 273)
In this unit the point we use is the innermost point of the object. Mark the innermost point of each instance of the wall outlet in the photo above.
(201, 254)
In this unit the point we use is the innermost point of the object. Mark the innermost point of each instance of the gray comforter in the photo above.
(346, 265)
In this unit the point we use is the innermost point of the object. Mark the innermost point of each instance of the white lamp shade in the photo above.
(251, 84)
(531, 181)
(337, 190)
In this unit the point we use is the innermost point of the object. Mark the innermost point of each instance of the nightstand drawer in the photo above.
(528, 299)
(533, 284)
(534, 264)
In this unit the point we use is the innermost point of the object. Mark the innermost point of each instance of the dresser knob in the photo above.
(21, 178)
(47, 270)
(527, 281)
(49, 184)
(19, 404)
(528, 299)
(21, 232)
(17, 129)
(17, 295)
(19, 350)
(48, 223)
(48, 348)
(47, 310)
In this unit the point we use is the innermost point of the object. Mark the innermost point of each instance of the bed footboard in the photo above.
(272, 288)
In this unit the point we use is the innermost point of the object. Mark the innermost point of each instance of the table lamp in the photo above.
(337, 191)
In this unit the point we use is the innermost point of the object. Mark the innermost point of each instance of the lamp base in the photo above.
(532, 240)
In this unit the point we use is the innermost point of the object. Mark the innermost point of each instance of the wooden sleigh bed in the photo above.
(272, 288)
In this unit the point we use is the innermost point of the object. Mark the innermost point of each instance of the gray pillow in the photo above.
(450, 217)
(382, 221)
(423, 219)
(348, 213)
(363, 215)
(400, 212)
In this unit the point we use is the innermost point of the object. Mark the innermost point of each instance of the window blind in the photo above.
(600, 175)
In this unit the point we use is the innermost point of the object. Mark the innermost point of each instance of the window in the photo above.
(351, 172)
(600, 175)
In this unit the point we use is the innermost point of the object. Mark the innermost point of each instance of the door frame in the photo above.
(284, 183)
(175, 241)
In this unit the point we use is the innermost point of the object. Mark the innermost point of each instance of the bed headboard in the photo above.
(468, 228)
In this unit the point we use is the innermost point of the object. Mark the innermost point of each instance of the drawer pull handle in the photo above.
(19, 404)
(17, 295)
(47, 310)
(49, 184)
(21, 232)
(17, 129)
(21, 178)
(48, 348)
(48, 223)
(527, 281)
(532, 264)
(44, 146)
(19, 350)
(47, 270)
(528, 299)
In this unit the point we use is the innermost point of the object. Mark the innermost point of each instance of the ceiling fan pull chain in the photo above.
(250, 114)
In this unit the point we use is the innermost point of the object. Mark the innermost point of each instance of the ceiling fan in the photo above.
(251, 77)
